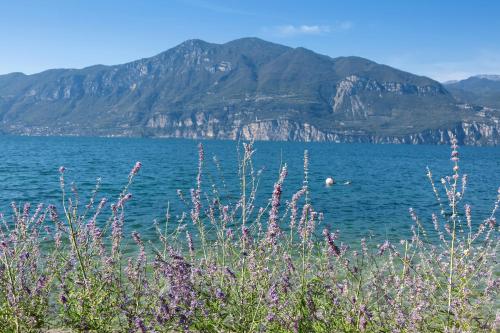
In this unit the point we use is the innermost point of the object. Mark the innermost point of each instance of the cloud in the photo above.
(291, 30)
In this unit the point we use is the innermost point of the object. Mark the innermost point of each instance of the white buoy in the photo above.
(329, 181)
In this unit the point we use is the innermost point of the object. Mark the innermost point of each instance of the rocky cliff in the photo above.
(247, 88)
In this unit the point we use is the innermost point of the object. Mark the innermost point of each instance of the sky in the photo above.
(444, 40)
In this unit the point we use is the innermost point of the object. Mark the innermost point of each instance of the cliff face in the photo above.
(246, 88)
(467, 132)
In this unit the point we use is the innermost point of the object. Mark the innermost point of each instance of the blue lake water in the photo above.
(386, 179)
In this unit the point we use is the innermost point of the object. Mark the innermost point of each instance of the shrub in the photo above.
(238, 268)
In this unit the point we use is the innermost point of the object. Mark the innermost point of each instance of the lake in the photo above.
(386, 179)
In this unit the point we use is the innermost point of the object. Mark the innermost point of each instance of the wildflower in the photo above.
(435, 221)
(245, 235)
(195, 211)
(116, 233)
(26, 210)
(41, 284)
(139, 325)
(273, 228)
(125, 198)
(57, 239)
(225, 215)
(220, 295)
(303, 222)
(136, 237)
(332, 248)
(135, 169)
(305, 183)
(413, 214)
(230, 273)
(289, 262)
(362, 323)
(190, 243)
(272, 296)
(141, 259)
(201, 157)
(468, 215)
(382, 248)
(293, 206)
(101, 204)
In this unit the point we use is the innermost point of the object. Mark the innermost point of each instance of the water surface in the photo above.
(386, 179)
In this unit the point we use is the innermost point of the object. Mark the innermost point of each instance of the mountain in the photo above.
(480, 89)
(246, 88)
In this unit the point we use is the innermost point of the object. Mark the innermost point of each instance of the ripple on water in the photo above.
(386, 179)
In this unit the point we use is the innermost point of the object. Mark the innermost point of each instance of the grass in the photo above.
(236, 268)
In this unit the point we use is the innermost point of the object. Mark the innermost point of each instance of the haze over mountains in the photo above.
(479, 89)
(251, 88)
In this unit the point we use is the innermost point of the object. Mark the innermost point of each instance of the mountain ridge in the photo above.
(246, 88)
(482, 89)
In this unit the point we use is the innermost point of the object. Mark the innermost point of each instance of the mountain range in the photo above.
(251, 89)
(479, 89)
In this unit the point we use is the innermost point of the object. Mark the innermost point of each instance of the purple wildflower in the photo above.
(190, 243)
(272, 296)
(294, 207)
(468, 215)
(384, 247)
(332, 248)
(219, 294)
(135, 169)
(125, 198)
(139, 325)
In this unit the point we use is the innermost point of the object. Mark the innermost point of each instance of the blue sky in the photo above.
(441, 39)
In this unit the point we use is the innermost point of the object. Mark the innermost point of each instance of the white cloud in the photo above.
(291, 30)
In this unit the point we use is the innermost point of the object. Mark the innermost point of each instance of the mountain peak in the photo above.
(250, 41)
(193, 43)
(482, 89)
(255, 44)
(491, 77)
(201, 89)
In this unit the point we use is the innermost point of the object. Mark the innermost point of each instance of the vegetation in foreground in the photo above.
(237, 268)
